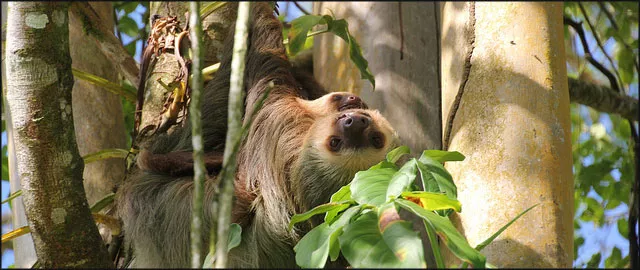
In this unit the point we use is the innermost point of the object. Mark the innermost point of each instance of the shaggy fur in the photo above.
(285, 165)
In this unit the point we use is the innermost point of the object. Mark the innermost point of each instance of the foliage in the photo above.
(362, 220)
(302, 25)
(602, 149)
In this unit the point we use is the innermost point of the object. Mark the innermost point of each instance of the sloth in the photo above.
(300, 149)
(180, 163)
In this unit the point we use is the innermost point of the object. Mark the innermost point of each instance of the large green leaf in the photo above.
(443, 156)
(128, 26)
(314, 248)
(432, 171)
(302, 25)
(370, 186)
(434, 201)
(341, 29)
(299, 29)
(447, 233)
(402, 179)
(397, 153)
(365, 246)
(320, 209)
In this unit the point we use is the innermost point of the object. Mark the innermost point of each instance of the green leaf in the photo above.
(5, 162)
(128, 26)
(341, 29)
(102, 203)
(343, 194)
(131, 48)
(447, 233)
(235, 235)
(320, 209)
(299, 29)
(623, 227)
(443, 156)
(397, 153)
(314, 248)
(370, 186)
(12, 196)
(625, 63)
(433, 173)
(105, 154)
(492, 237)
(364, 246)
(402, 179)
(594, 261)
(434, 201)
(129, 7)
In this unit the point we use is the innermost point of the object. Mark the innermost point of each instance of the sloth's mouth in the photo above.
(352, 106)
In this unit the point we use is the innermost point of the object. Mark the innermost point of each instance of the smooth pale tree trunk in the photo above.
(39, 83)
(507, 63)
(400, 42)
(23, 251)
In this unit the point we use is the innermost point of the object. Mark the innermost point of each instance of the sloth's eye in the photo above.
(336, 97)
(334, 144)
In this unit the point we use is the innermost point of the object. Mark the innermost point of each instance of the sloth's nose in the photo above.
(355, 122)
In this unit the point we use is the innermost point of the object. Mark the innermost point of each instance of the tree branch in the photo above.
(199, 171)
(39, 83)
(301, 8)
(603, 99)
(109, 44)
(599, 43)
(233, 131)
(587, 53)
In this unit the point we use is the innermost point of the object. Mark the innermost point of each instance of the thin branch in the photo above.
(233, 131)
(608, 14)
(301, 8)
(108, 43)
(599, 43)
(199, 171)
(603, 99)
(587, 53)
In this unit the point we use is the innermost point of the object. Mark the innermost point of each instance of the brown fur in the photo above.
(284, 165)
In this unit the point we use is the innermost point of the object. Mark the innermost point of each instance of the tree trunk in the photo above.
(400, 42)
(505, 97)
(39, 83)
(166, 68)
(98, 118)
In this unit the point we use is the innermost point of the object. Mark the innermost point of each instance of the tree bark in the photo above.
(98, 118)
(39, 83)
(603, 99)
(505, 97)
(166, 68)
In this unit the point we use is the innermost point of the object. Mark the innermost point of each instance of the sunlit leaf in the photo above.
(443, 156)
(370, 186)
(434, 201)
(432, 171)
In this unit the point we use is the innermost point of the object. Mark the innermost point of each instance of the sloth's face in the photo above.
(355, 138)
